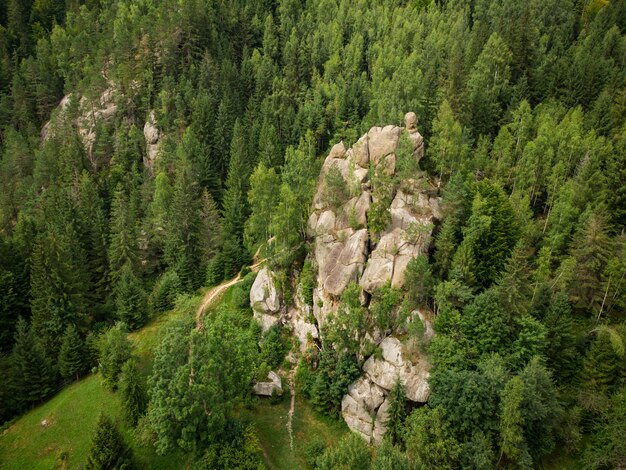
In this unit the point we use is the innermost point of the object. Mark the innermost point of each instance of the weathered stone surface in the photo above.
(384, 372)
(338, 150)
(263, 295)
(266, 321)
(274, 385)
(380, 423)
(150, 130)
(103, 109)
(367, 393)
(382, 141)
(345, 261)
(361, 409)
(357, 417)
(360, 152)
(353, 214)
(302, 329)
(410, 121)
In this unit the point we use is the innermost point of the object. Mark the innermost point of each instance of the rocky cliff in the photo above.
(356, 185)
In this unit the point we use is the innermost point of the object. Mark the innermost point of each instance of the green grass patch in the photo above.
(71, 417)
(270, 422)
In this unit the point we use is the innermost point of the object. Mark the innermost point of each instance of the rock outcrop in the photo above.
(152, 136)
(273, 386)
(345, 251)
(352, 182)
(264, 299)
(90, 113)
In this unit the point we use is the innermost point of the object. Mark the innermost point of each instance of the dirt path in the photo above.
(292, 407)
(211, 295)
(215, 292)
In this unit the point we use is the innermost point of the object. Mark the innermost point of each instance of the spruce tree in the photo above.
(123, 245)
(108, 449)
(132, 392)
(130, 299)
(235, 204)
(72, 354)
(396, 413)
(32, 371)
(114, 349)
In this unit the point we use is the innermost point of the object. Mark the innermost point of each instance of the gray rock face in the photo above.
(274, 385)
(412, 374)
(264, 299)
(382, 141)
(345, 252)
(151, 134)
(103, 109)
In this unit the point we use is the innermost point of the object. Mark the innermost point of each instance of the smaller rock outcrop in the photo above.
(264, 299)
(394, 365)
(272, 387)
(152, 136)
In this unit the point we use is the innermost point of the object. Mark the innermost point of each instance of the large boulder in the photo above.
(264, 299)
(394, 365)
(360, 405)
(151, 135)
(382, 141)
(273, 386)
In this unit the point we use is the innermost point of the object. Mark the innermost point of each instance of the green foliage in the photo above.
(307, 282)
(239, 450)
(108, 449)
(384, 300)
(335, 190)
(72, 355)
(336, 370)
(429, 440)
(489, 237)
(419, 282)
(114, 349)
(165, 291)
(197, 379)
(131, 301)
(512, 424)
(273, 348)
(396, 413)
(262, 197)
(132, 392)
(32, 372)
(351, 452)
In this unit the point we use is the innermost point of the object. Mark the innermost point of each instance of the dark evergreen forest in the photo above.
(522, 106)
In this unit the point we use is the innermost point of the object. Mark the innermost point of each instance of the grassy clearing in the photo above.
(72, 416)
(270, 422)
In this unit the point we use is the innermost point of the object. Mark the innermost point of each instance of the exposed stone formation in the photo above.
(274, 386)
(90, 113)
(103, 110)
(151, 134)
(346, 251)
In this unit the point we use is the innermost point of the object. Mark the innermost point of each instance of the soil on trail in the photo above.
(216, 291)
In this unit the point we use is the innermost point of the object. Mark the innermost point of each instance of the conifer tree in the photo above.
(182, 241)
(114, 349)
(108, 449)
(263, 197)
(130, 299)
(235, 204)
(72, 354)
(446, 149)
(32, 371)
(132, 392)
(396, 413)
(59, 287)
(123, 247)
